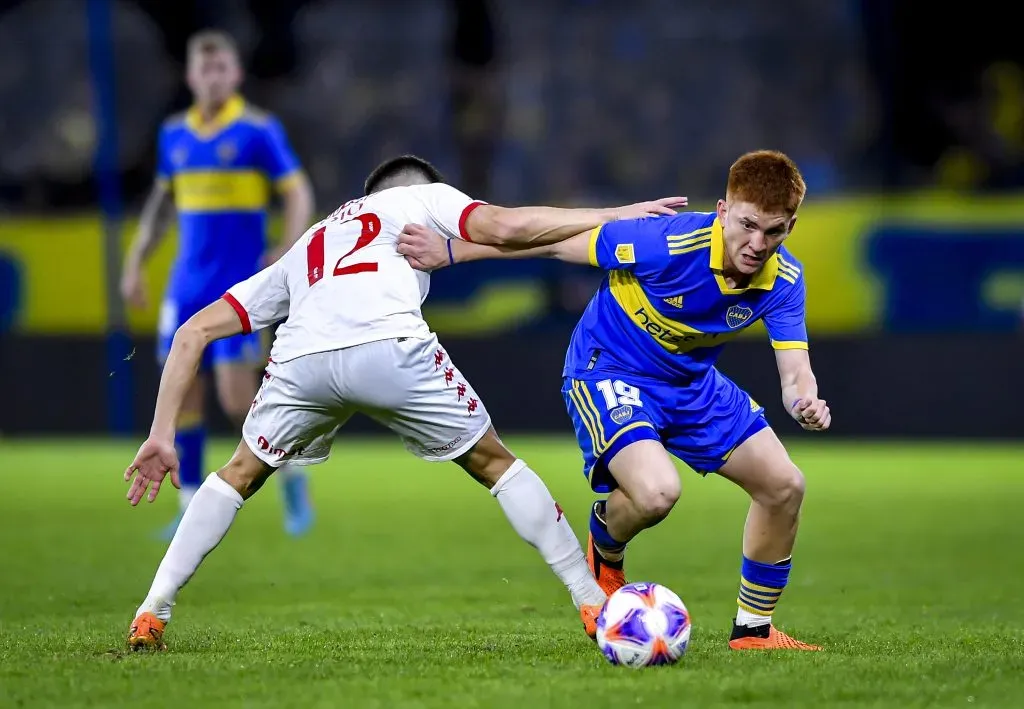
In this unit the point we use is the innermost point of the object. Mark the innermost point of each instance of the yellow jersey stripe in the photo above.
(592, 247)
(787, 271)
(783, 262)
(787, 277)
(789, 345)
(288, 181)
(706, 243)
(674, 336)
(221, 191)
(679, 239)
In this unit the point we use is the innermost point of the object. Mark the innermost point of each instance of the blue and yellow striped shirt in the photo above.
(221, 174)
(664, 310)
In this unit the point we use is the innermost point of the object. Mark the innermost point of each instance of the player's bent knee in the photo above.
(646, 475)
(656, 501)
(785, 489)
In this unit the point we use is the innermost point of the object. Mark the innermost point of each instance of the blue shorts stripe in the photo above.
(595, 414)
(588, 424)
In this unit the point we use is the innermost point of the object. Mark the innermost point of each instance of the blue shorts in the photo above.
(239, 349)
(700, 424)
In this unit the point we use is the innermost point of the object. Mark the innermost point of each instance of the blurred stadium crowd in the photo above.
(569, 101)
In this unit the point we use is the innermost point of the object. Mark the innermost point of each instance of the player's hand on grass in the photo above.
(812, 414)
(133, 288)
(423, 248)
(154, 460)
(659, 207)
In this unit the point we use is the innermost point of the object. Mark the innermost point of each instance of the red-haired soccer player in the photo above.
(640, 382)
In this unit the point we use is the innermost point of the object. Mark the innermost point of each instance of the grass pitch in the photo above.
(412, 591)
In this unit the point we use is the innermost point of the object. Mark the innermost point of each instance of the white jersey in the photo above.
(344, 283)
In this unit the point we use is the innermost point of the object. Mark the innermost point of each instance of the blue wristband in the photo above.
(451, 257)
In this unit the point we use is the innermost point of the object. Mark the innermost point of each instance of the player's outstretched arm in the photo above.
(156, 458)
(153, 224)
(528, 227)
(427, 250)
(800, 390)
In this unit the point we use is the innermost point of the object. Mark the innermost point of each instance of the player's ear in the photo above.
(721, 209)
(792, 223)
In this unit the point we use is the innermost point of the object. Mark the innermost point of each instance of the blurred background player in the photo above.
(216, 164)
(640, 382)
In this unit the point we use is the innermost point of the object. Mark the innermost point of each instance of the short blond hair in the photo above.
(209, 41)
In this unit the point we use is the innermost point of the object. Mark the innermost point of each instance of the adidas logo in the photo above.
(675, 301)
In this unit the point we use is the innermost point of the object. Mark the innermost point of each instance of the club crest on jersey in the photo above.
(624, 253)
(738, 315)
(227, 151)
(675, 301)
(622, 414)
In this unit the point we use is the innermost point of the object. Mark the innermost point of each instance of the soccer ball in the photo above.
(643, 624)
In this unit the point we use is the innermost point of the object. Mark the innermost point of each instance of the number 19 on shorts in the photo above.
(618, 393)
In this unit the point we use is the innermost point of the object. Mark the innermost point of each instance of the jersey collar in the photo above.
(764, 279)
(230, 112)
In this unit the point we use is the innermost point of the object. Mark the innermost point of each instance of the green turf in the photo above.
(412, 591)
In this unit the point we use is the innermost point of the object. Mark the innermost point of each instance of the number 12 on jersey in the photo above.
(315, 250)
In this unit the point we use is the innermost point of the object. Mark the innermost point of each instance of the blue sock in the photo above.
(599, 529)
(761, 585)
(190, 443)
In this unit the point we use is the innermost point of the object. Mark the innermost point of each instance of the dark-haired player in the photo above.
(355, 342)
(640, 381)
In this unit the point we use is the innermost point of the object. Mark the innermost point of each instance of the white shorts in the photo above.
(407, 384)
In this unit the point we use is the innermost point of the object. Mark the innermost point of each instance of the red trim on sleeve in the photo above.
(242, 315)
(465, 215)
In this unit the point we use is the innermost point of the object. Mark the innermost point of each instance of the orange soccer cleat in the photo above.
(589, 614)
(147, 633)
(610, 575)
(766, 637)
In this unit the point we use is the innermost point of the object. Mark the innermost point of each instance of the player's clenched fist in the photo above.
(423, 248)
(812, 414)
(154, 460)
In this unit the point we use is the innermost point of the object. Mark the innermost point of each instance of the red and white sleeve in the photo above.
(261, 300)
(448, 209)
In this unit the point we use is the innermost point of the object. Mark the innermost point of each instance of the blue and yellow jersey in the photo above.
(221, 174)
(664, 310)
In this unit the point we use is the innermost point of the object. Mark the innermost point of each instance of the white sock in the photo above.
(751, 620)
(534, 514)
(204, 524)
(185, 495)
